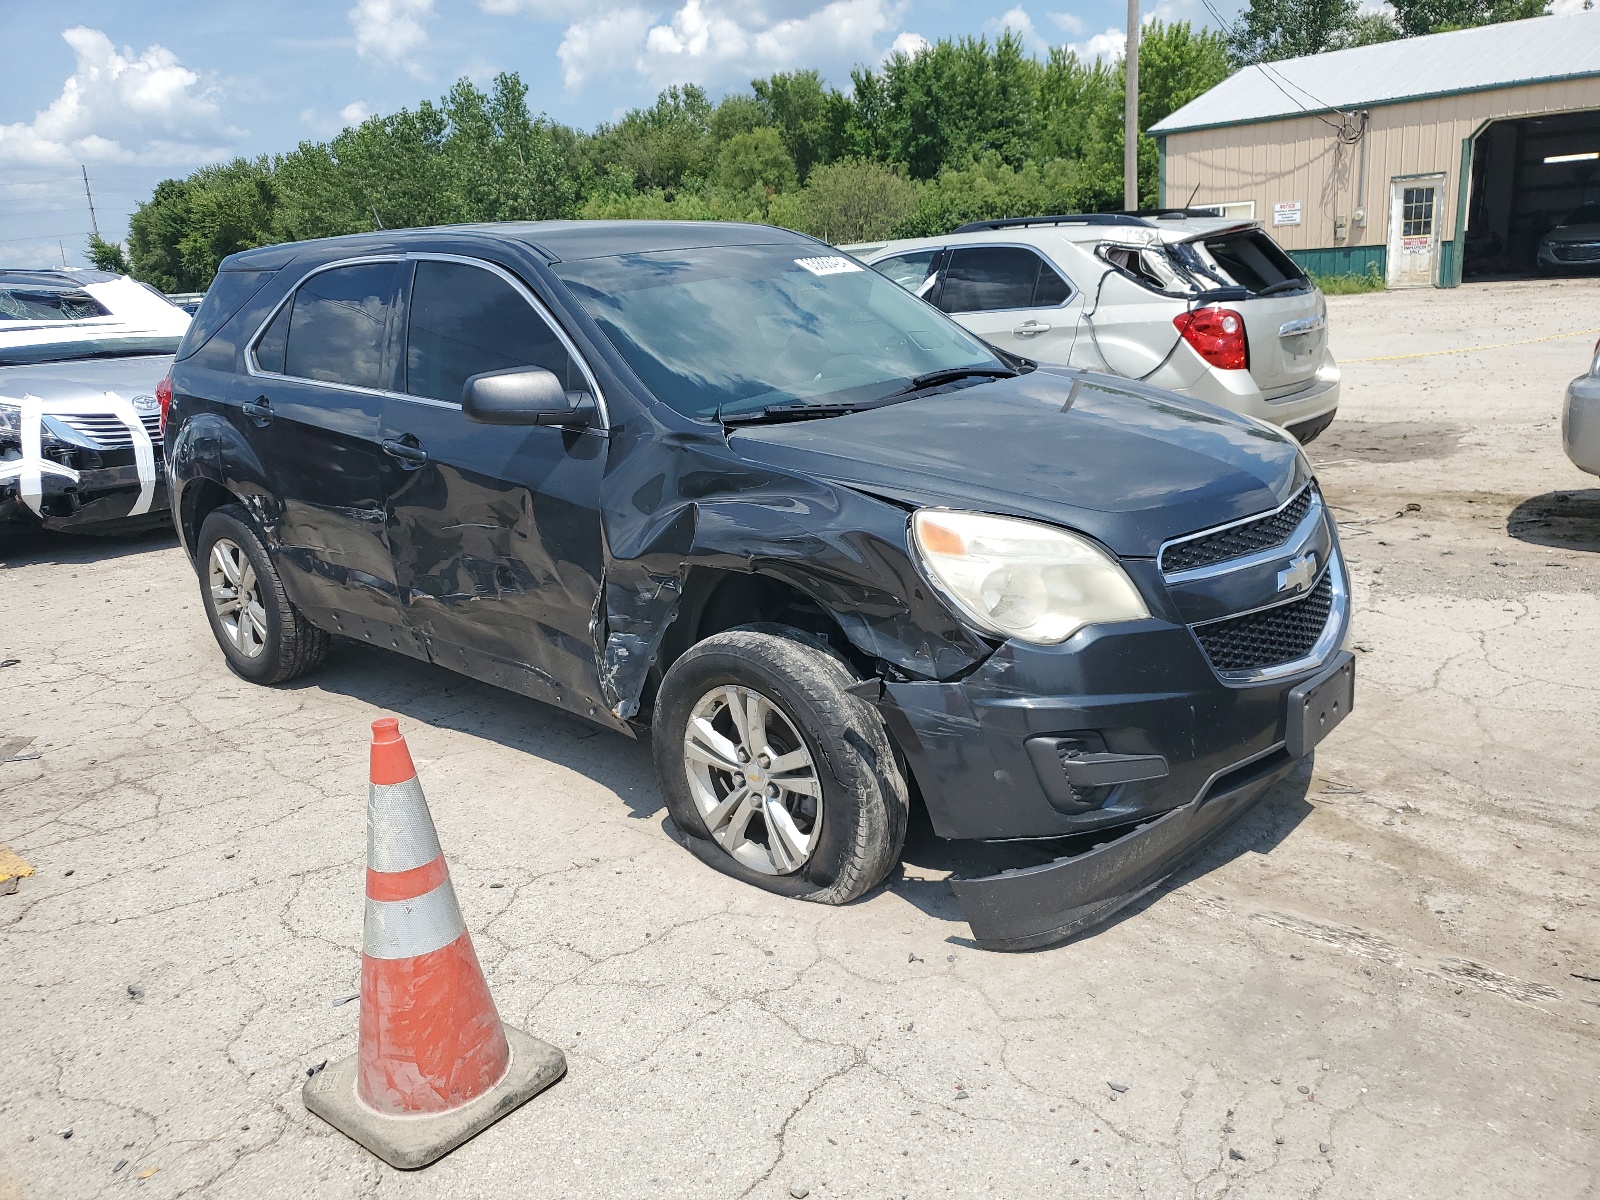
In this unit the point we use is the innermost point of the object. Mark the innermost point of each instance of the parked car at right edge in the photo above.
(1580, 418)
(723, 487)
(1184, 300)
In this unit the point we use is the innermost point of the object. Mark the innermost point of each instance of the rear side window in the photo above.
(333, 331)
(1253, 260)
(911, 271)
(995, 278)
(228, 293)
(464, 321)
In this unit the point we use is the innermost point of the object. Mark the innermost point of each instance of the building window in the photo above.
(1243, 210)
(1416, 214)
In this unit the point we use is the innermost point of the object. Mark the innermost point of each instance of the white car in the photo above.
(82, 355)
(1202, 305)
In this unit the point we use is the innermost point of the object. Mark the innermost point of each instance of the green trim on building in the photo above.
(1342, 260)
(1161, 171)
(1449, 265)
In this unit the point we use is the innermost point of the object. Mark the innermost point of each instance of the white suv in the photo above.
(1194, 303)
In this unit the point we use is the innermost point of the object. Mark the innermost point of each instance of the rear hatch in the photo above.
(1285, 316)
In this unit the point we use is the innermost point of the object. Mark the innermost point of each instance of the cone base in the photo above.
(415, 1141)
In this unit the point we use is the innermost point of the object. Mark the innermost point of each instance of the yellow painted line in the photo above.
(1554, 337)
(12, 868)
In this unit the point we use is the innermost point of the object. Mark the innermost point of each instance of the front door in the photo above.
(1414, 230)
(494, 530)
(1012, 298)
(314, 407)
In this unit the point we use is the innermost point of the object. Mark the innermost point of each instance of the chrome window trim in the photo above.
(1331, 638)
(1296, 539)
(253, 369)
(1073, 291)
(1250, 520)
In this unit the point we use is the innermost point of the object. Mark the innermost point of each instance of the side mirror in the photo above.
(522, 396)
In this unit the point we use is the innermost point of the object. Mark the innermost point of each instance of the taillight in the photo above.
(164, 399)
(1217, 335)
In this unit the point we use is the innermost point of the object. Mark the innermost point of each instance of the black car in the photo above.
(722, 483)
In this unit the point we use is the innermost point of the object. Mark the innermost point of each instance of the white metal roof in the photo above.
(1468, 60)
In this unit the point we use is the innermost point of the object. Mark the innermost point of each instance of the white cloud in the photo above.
(119, 106)
(908, 43)
(1067, 22)
(355, 112)
(389, 29)
(705, 41)
(1109, 44)
(1020, 23)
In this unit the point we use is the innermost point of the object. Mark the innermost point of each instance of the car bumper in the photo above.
(1580, 423)
(1196, 752)
(1238, 392)
(99, 497)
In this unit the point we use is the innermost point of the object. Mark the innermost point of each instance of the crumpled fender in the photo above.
(209, 447)
(841, 547)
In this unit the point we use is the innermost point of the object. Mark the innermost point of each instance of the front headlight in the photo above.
(1020, 579)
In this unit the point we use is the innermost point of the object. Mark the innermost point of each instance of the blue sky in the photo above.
(137, 91)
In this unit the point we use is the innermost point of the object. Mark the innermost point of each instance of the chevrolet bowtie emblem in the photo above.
(1299, 574)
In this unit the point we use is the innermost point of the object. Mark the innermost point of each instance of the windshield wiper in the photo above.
(774, 413)
(953, 374)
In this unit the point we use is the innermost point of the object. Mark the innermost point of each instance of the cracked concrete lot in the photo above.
(1374, 987)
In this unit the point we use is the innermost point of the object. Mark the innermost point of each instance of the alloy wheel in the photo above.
(753, 780)
(236, 597)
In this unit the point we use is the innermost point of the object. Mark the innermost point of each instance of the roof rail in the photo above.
(1111, 218)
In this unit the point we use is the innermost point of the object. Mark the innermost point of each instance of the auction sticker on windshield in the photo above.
(828, 264)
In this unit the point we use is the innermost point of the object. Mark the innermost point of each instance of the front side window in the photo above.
(464, 321)
(333, 330)
(996, 278)
(734, 329)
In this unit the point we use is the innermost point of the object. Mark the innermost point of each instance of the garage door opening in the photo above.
(1535, 198)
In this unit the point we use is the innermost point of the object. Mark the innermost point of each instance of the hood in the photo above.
(85, 379)
(1127, 465)
(1573, 233)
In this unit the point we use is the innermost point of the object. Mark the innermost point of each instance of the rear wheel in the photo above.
(262, 635)
(776, 774)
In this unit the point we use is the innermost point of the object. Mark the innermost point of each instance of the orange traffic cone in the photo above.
(434, 1063)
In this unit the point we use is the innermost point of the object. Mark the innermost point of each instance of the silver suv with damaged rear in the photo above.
(1187, 301)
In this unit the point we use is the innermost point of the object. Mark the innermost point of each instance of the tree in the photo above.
(755, 161)
(107, 256)
(1269, 30)
(849, 201)
(1413, 17)
(798, 106)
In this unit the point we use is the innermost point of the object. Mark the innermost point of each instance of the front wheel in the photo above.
(262, 634)
(776, 774)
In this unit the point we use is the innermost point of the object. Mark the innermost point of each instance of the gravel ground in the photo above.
(1374, 987)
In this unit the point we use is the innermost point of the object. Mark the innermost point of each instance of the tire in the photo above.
(265, 642)
(860, 800)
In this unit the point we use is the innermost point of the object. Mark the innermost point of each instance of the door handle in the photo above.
(411, 455)
(258, 410)
(1031, 329)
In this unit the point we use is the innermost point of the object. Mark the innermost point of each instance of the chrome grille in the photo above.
(1575, 253)
(108, 432)
(1236, 541)
(1272, 636)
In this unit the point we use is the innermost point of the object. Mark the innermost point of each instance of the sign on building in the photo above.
(1286, 212)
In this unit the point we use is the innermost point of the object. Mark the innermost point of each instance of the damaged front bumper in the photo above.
(1127, 750)
(84, 498)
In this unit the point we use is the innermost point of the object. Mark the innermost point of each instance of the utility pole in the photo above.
(95, 224)
(1130, 114)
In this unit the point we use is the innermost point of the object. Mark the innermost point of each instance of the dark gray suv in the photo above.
(721, 484)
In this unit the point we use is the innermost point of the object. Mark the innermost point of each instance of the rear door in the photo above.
(1285, 318)
(1012, 298)
(494, 530)
(317, 373)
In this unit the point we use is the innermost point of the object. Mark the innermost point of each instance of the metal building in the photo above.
(1426, 159)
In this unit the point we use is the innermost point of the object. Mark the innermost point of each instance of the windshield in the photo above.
(47, 301)
(733, 329)
(84, 347)
(1589, 214)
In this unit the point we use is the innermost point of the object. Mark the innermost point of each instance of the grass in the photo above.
(1349, 285)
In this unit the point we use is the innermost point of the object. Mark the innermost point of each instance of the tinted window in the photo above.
(989, 278)
(1051, 289)
(274, 342)
(228, 293)
(336, 331)
(910, 271)
(1253, 260)
(464, 321)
